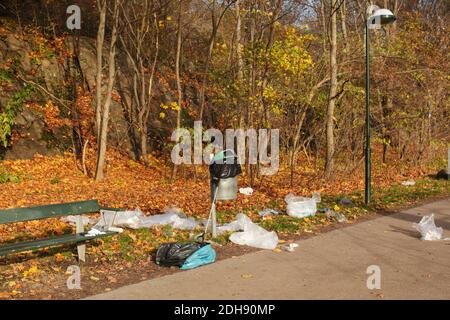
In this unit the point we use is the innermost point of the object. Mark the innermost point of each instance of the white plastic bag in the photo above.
(408, 183)
(267, 212)
(126, 219)
(173, 217)
(253, 235)
(229, 227)
(289, 247)
(300, 207)
(168, 217)
(247, 191)
(184, 223)
(136, 219)
(94, 232)
(428, 229)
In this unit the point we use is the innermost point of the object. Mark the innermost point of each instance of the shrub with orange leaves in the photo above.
(85, 111)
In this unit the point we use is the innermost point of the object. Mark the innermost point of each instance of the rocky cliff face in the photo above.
(30, 133)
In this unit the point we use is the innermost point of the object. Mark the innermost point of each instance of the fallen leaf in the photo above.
(30, 272)
(59, 257)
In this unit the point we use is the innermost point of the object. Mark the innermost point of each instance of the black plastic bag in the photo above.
(227, 167)
(175, 253)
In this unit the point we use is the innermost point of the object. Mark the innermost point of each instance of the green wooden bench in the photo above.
(52, 211)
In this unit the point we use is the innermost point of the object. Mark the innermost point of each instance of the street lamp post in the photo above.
(378, 18)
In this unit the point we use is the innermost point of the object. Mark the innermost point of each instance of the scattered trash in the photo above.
(252, 234)
(173, 217)
(428, 229)
(185, 255)
(126, 219)
(204, 255)
(442, 174)
(73, 220)
(115, 229)
(136, 219)
(93, 233)
(300, 207)
(267, 212)
(346, 202)
(339, 216)
(247, 191)
(230, 227)
(408, 183)
(289, 247)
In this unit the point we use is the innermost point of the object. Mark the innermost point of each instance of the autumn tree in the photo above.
(103, 103)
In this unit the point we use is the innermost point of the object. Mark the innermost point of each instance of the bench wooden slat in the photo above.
(48, 211)
(49, 242)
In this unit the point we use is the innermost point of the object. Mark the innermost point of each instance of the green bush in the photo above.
(11, 110)
(6, 177)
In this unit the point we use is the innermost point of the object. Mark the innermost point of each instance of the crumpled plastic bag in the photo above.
(247, 191)
(173, 217)
(94, 232)
(126, 219)
(229, 227)
(204, 255)
(332, 214)
(408, 183)
(428, 229)
(176, 253)
(301, 207)
(253, 235)
(267, 212)
(290, 247)
(136, 219)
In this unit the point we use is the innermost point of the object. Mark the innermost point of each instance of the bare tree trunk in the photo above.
(215, 23)
(177, 72)
(324, 25)
(343, 11)
(98, 77)
(146, 112)
(329, 164)
(104, 115)
(240, 63)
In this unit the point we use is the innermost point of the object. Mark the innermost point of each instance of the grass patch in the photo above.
(402, 195)
(385, 198)
(6, 177)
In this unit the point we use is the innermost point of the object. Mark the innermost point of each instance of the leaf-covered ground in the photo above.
(127, 257)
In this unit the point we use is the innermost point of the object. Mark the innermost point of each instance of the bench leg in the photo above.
(81, 249)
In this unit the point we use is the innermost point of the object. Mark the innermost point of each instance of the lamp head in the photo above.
(382, 16)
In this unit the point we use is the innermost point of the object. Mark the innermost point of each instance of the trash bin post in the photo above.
(213, 189)
(214, 221)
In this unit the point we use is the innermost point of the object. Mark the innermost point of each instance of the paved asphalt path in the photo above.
(332, 265)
